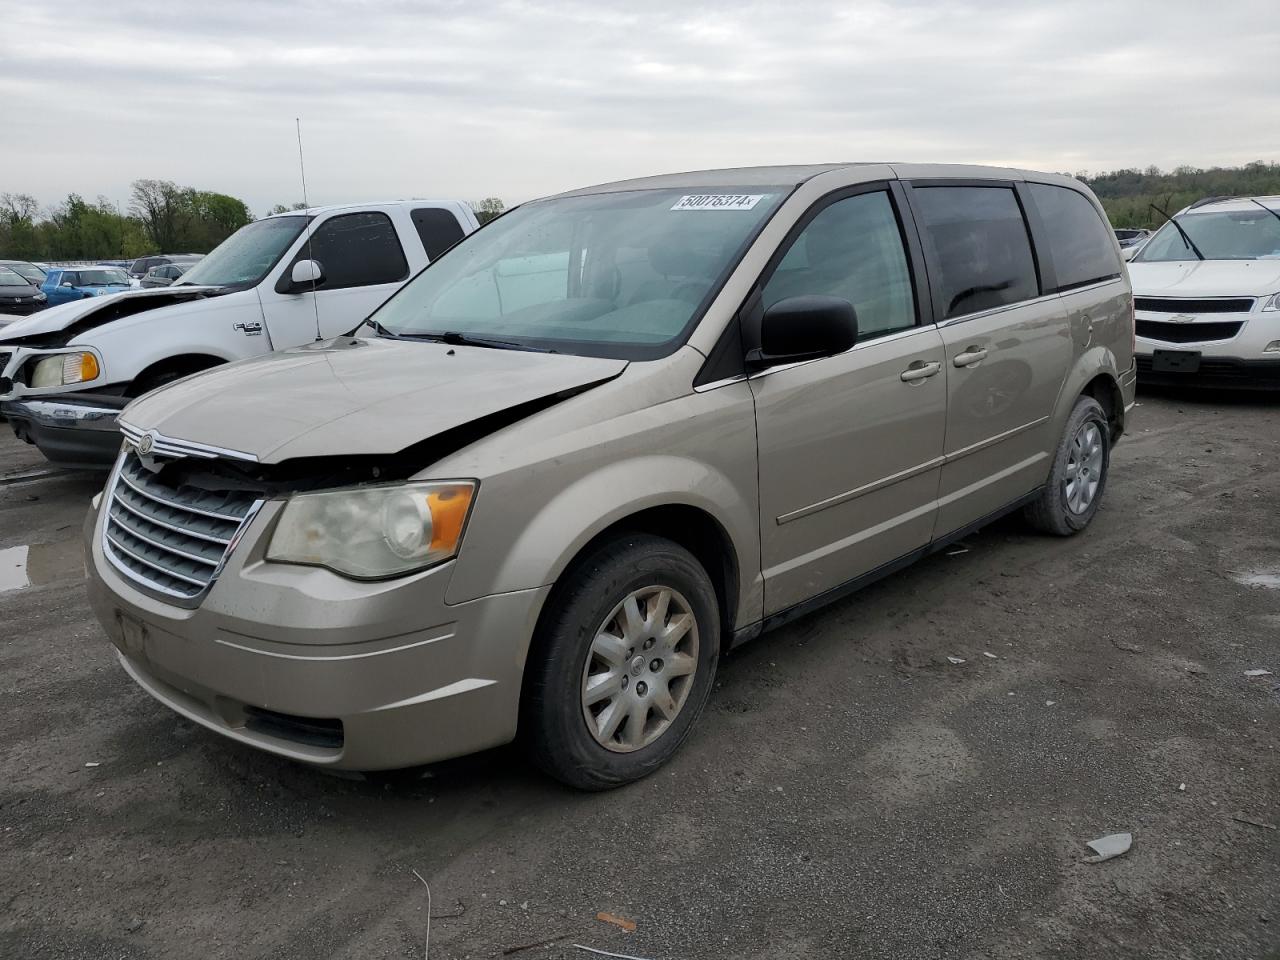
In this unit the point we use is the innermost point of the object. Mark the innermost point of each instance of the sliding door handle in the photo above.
(920, 370)
(970, 356)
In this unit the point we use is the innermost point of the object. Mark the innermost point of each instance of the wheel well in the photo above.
(1106, 391)
(184, 365)
(695, 530)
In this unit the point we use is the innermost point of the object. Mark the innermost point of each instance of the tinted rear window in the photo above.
(437, 229)
(979, 240)
(1079, 242)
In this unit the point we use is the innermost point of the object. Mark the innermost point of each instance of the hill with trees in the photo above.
(162, 217)
(1128, 195)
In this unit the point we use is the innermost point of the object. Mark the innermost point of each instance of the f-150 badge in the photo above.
(252, 328)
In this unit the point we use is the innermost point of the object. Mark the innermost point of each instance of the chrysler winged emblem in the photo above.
(146, 443)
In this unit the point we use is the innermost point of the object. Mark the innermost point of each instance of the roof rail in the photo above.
(1208, 200)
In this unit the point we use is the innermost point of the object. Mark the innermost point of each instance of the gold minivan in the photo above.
(540, 490)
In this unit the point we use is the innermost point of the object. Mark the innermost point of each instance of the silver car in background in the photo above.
(612, 434)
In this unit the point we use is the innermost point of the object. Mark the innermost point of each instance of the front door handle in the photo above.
(920, 370)
(970, 356)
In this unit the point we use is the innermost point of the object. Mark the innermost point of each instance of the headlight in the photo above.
(1273, 302)
(370, 533)
(39, 298)
(64, 368)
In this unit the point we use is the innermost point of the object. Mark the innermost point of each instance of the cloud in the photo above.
(518, 99)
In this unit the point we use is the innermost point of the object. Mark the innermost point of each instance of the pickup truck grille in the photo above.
(1187, 305)
(171, 539)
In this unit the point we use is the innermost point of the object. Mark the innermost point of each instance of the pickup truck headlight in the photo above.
(371, 533)
(64, 368)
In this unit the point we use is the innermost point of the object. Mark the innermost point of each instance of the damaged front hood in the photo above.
(79, 315)
(356, 397)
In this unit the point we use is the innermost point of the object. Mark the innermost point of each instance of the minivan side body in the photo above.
(991, 370)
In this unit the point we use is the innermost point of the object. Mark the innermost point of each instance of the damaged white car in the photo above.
(279, 282)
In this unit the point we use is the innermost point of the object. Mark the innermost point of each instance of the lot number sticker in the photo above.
(715, 201)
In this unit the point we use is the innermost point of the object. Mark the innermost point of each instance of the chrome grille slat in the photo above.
(154, 566)
(166, 536)
(220, 531)
(136, 483)
(208, 538)
(152, 540)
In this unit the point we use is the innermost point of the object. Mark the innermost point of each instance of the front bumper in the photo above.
(75, 430)
(1219, 373)
(308, 665)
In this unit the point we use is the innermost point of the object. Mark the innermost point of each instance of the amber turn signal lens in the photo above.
(88, 367)
(448, 507)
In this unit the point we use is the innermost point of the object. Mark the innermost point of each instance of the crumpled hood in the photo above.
(1205, 278)
(355, 396)
(65, 314)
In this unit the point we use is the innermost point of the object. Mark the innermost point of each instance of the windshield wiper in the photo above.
(453, 338)
(1265, 207)
(1186, 237)
(378, 328)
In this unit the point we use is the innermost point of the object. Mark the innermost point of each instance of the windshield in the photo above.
(1225, 235)
(28, 270)
(610, 274)
(245, 257)
(102, 278)
(8, 278)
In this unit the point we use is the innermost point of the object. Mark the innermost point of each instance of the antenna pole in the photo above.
(302, 169)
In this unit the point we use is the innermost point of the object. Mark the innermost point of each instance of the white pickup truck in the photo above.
(279, 282)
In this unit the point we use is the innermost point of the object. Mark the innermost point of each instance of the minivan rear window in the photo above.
(978, 239)
(1079, 242)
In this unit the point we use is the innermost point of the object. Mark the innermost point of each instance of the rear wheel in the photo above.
(1079, 473)
(623, 663)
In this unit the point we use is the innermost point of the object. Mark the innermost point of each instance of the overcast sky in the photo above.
(518, 99)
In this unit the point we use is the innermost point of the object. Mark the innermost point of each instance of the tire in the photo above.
(164, 376)
(584, 637)
(1079, 474)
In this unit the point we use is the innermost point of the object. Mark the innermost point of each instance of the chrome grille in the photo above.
(170, 538)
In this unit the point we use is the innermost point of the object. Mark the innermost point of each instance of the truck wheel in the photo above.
(622, 664)
(155, 379)
(1079, 474)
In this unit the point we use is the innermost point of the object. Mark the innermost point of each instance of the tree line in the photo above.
(1131, 197)
(161, 217)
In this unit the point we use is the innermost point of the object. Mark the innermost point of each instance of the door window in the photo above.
(1078, 240)
(980, 246)
(437, 229)
(356, 250)
(852, 249)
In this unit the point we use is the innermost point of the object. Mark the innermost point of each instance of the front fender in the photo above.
(539, 548)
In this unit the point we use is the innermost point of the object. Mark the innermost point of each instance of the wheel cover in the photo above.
(640, 668)
(1084, 467)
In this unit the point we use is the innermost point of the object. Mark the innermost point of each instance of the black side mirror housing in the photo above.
(803, 328)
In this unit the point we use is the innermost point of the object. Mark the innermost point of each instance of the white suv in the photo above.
(1206, 291)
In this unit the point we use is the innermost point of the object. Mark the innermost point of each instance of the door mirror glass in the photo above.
(306, 273)
(67, 283)
(808, 326)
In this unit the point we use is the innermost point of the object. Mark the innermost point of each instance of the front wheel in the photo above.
(1079, 473)
(622, 664)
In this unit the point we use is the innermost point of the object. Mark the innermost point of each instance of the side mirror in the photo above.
(1128, 252)
(306, 274)
(68, 283)
(802, 328)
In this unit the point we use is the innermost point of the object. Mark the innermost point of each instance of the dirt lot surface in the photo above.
(850, 792)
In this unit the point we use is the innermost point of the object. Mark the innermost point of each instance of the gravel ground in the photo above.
(850, 791)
